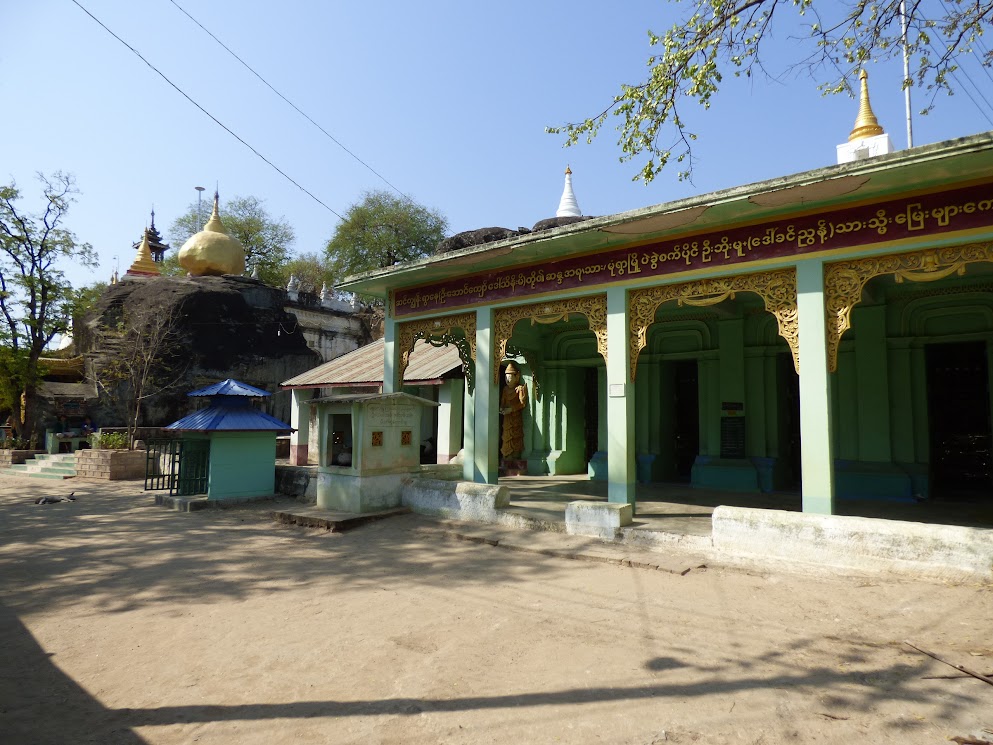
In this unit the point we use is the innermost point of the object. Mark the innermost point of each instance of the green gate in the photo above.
(181, 466)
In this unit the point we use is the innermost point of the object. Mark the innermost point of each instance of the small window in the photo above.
(406, 437)
(377, 439)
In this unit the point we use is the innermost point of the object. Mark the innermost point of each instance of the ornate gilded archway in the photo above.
(593, 307)
(776, 288)
(439, 332)
(844, 281)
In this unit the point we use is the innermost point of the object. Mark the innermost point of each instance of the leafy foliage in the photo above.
(266, 239)
(721, 36)
(380, 231)
(110, 440)
(148, 360)
(36, 300)
(312, 271)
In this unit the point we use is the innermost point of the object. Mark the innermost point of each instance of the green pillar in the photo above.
(486, 443)
(817, 449)
(621, 476)
(873, 383)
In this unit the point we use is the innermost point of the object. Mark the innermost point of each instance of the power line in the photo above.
(216, 120)
(302, 113)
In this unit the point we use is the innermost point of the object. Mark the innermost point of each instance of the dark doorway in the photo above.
(789, 422)
(958, 398)
(686, 418)
(591, 395)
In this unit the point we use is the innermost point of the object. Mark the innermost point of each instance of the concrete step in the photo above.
(59, 476)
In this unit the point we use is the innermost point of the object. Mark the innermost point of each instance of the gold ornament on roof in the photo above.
(213, 251)
(866, 124)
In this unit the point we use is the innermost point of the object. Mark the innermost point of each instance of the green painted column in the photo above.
(621, 474)
(486, 443)
(391, 355)
(901, 396)
(469, 435)
(731, 335)
(873, 383)
(755, 406)
(817, 447)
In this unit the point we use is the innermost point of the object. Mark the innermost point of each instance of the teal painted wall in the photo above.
(242, 464)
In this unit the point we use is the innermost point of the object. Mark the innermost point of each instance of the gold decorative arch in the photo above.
(593, 307)
(776, 288)
(438, 331)
(844, 281)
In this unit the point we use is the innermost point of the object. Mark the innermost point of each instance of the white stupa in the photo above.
(568, 207)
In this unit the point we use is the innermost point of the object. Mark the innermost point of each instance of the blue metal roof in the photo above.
(229, 416)
(230, 387)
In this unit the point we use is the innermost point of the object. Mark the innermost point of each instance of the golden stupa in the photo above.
(212, 251)
(144, 265)
(866, 124)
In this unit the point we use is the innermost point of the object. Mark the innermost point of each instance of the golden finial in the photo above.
(866, 124)
(568, 171)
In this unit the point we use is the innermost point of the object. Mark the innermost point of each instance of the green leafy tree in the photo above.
(266, 239)
(312, 271)
(36, 300)
(380, 231)
(717, 37)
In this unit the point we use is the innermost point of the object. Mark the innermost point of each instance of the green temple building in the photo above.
(827, 333)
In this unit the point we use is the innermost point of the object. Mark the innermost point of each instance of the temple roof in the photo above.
(229, 414)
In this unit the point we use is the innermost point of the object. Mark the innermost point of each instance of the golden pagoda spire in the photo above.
(866, 124)
(143, 263)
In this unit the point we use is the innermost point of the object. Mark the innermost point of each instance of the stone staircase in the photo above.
(59, 466)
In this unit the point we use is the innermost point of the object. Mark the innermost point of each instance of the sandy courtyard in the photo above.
(125, 623)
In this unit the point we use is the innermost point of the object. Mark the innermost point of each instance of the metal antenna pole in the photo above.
(199, 214)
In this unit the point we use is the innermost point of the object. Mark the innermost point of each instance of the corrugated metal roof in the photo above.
(230, 387)
(366, 397)
(364, 366)
(232, 416)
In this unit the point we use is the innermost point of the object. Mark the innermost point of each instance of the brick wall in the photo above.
(112, 465)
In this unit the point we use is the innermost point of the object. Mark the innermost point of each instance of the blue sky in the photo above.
(447, 100)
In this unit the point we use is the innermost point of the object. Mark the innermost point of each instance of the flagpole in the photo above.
(906, 72)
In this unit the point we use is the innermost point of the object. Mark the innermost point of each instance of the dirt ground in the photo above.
(125, 623)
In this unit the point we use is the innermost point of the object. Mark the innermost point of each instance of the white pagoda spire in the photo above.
(568, 206)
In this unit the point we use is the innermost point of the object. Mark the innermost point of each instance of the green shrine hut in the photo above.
(233, 442)
(827, 333)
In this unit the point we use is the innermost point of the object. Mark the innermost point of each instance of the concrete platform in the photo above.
(947, 541)
(333, 522)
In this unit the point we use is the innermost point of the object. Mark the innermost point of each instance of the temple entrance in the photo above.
(591, 394)
(789, 421)
(958, 397)
(686, 418)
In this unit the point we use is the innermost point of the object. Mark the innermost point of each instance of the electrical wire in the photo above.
(298, 110)
(216, 120)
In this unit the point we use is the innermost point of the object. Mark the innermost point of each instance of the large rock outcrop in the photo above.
(227, 327)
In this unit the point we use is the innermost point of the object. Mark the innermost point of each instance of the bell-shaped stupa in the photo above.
(212, 251)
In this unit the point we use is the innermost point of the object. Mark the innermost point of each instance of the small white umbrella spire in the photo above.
(568, 207)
